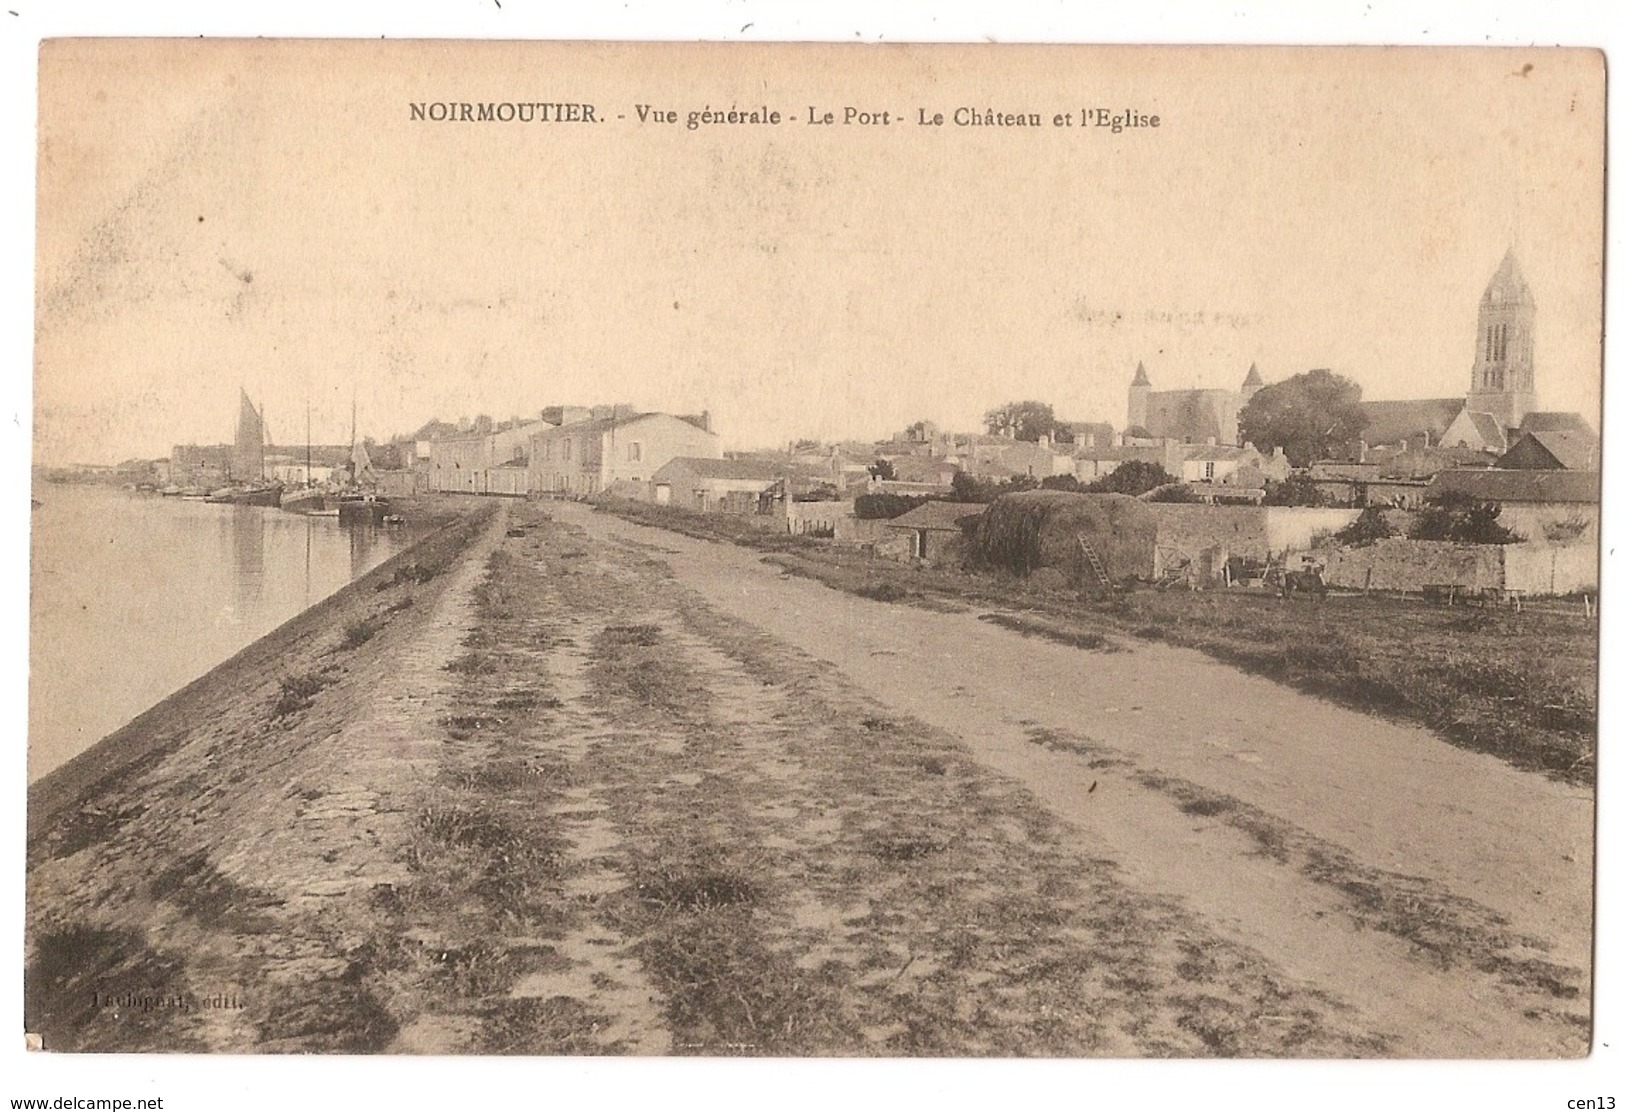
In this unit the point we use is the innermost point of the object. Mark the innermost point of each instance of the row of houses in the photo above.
(679, 460)
(999, 458)
(578, 453)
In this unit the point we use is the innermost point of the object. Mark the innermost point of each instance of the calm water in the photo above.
(133, 596)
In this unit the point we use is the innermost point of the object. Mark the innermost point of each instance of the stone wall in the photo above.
(1251, 532)
(817, 517)
(1578, 520)
(1398, 564)
(857, 530)
(1552, 569)
(1190, 530)
(1296, 528)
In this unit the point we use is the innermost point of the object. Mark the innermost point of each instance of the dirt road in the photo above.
(589, 787)
(1442, 894)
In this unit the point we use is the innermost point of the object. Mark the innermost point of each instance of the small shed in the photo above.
(934, 526)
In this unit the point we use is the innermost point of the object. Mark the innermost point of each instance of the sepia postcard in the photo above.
(784, 551)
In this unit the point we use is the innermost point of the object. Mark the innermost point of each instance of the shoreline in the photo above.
(148, 734)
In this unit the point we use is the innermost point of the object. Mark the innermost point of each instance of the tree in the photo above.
(1025, 420)
(1456, 516)
(1134, 476)
(873, 507)
(1369, 528)
(968, 488)
(1174, 492)
(883, 470)
(1295, 490)
(820, 492)
(1307, 414)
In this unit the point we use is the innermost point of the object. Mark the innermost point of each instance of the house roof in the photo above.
(1488, 428)
(1100, 430)
(1426, 462)
(435, 429)
(1149, 453)
(1389, 422)
(921, 469)
(749, 469)
(1204, 453)
(1573, 451)
(1494, 485)
(937, 515)
(1342, 470)
(608, 424)
(1555, 420)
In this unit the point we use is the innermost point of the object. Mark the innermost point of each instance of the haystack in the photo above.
(1021, 533)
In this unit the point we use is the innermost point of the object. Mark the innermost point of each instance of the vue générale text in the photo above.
(1114, 120)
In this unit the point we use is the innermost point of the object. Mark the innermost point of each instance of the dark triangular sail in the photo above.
(248, 458)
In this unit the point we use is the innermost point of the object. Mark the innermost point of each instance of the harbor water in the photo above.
(133, 596)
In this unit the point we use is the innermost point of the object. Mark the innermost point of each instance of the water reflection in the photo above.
(133, 596)
(247, 525)
(363, 542)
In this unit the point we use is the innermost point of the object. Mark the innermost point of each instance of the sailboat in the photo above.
(310, 499)
(360, 504)
(249, 486)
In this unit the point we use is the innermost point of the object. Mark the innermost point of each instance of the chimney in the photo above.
(1043, 440)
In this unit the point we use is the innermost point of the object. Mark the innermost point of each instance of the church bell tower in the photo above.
(1139, 397)
(1504, 363)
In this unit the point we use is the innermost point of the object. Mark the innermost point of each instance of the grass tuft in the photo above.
(295, 693)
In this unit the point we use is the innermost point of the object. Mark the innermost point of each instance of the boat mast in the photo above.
(355, 478)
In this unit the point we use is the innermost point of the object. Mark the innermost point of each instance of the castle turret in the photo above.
(1250, 384)
(1139, 397)
(1503, 382)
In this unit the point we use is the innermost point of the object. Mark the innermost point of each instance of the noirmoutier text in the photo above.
(1099, 117)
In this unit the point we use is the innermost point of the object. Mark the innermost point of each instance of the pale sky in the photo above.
(215, 215)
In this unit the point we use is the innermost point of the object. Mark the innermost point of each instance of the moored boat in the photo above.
(363, 509)
(267, 494)
(310, 500)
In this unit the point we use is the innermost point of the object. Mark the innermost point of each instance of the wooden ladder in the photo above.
(1094, 562)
